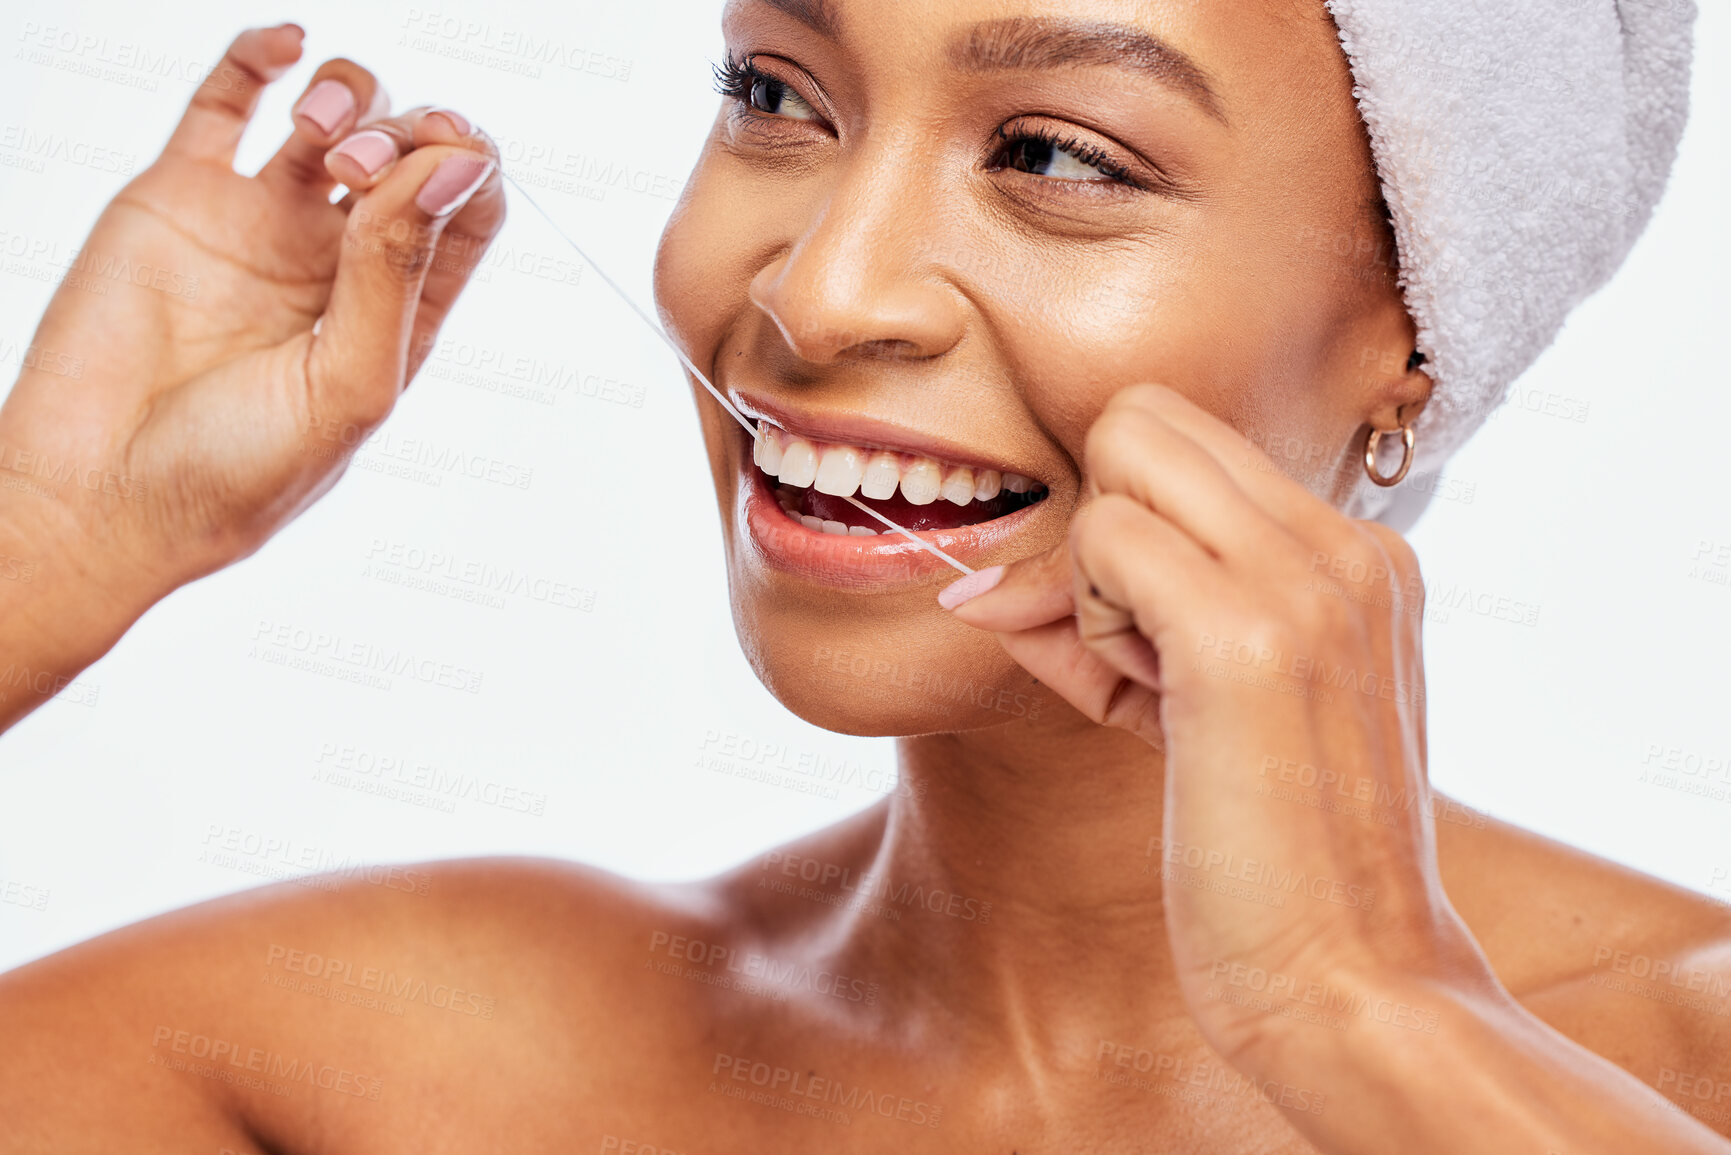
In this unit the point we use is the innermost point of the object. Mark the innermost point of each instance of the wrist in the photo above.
(1491, 1078)
(1344, 1020)
(1394, 1055)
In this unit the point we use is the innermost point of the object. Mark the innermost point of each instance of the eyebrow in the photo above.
(818, 15)
(1030, 42)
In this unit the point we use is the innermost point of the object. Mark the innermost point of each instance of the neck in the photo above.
(1029, 846)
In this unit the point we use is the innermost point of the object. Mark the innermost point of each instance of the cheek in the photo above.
(688, 245)
(1254, 350)
(1096, 329)
(710, 250)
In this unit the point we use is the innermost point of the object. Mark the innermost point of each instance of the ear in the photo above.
(1392, 386)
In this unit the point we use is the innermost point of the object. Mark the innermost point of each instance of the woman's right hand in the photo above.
(222, 343)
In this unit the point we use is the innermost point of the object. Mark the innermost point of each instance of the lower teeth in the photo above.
(790, 500)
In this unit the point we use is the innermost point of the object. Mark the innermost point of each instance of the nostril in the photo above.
(885, 350)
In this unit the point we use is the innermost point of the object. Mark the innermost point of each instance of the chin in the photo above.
(876, 666)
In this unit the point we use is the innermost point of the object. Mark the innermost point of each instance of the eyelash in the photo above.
(736, 78)
(1091, 155)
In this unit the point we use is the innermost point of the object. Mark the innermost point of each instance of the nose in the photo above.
(864, 279)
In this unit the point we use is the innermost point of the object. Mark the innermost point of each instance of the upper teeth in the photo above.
(843, 470)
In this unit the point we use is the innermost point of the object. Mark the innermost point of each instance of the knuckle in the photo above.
(402, 246)
(1246, 632)
(406, 261)
(1401, 555)
(1104, 522)
(228, 86)
(1144, 396)
(1084, 535)
(1357, 549)
(1316, 619)
(393, 128)
(1112, 439)
(342, 68)
(345, 406)
(370, 407)
(484, 144)
(342, 415)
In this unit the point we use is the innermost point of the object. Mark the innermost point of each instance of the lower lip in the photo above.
(888, 559)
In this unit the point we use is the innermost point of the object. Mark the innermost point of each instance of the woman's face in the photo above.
(927, 241)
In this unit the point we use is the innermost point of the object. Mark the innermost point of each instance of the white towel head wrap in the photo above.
(1522, 146)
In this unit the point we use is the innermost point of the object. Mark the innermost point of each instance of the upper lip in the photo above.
(866, 433)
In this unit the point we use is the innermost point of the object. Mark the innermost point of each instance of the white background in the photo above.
(606, 715)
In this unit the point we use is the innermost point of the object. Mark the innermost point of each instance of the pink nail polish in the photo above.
(372, 150)
(970, 587)
(327, 104)
(453, 182)
(457, 119)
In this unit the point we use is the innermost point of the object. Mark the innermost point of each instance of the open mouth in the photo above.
(812, 481)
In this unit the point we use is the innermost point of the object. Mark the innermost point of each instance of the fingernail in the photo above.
(452, 184)
(970, 587)
(327, 104)
(457, 119)
(372, 150)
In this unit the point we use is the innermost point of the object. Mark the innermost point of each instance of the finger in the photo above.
(1109, 630)
(1032, 605)
(1139, 580)
(340, 96)
(1332, 546)
(217, 116)
(466, 239)
(364, 158)
(1404, 585)
(1133, 449)
(1018, 596)
(1055, 654)
(1284, 499)
(357, 364)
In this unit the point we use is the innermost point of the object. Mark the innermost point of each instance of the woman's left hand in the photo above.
(1270, 646)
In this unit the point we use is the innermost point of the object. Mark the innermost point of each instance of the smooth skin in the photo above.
(1012, 954)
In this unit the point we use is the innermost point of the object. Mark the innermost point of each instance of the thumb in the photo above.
(358, 361)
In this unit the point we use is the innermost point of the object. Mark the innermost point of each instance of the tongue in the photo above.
(939, 514)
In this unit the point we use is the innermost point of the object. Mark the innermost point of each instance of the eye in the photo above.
(777, 99)
(751, 86)
(1056, 157)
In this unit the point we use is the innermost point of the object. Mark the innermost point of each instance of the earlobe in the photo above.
(1408, 397)
(1397, 399)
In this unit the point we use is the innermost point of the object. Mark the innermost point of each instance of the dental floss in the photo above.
(925, 545)
(656, 328)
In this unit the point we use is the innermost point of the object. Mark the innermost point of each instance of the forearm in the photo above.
(58, 614)
(1493, 1080)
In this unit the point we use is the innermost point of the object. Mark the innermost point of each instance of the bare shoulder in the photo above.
(341, 1006)
(1630, 966)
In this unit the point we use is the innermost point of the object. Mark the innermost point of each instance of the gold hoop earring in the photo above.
(1407, 439)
